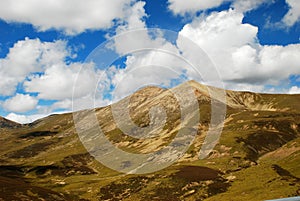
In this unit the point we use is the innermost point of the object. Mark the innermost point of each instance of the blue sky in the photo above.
(254, 45)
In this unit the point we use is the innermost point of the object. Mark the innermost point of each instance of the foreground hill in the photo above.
(256, 158)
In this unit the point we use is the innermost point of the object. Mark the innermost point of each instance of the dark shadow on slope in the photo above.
(257, 144)
(38, 134)
(31, 150)
(71, 165)
(18, 189)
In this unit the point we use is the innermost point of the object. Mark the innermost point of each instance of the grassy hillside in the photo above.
(257, 157)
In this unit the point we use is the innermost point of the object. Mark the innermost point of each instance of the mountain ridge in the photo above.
(257, 153)
(203, 89)
(6, 123)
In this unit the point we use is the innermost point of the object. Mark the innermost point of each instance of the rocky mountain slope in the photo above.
(256, 158)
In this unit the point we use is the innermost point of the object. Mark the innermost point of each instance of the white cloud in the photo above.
(41, 67)
(247, 5)
(134, 17)
(20, 103)
(246, 87)
(279, 62)
(57, 82)
(294, 90)
(123, 43)
(147, 68)
(220, 30)
(55, 77)
(180, 7)
(293, 14)
(23, 119)
(220, 35)
(64, 104)
(151, 59)
(243, 63)
(235, 49)
(131, 37)
(73, 17)
(28, 56)
(192, 6)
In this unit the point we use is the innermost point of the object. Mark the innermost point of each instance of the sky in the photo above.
(62, 55)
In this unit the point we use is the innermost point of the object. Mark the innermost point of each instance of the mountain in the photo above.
(7, 124)
(256, 158)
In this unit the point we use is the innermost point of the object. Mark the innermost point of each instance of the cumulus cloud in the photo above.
(20, 103)
(279, 62)
(28, 56)
(220, 35)
(57, 82)
(294, 90)
(149, 56)
(220, 30)
(134, 18)
(191, 6)
(247, 5)
(233, 46)
(134, 21)
(72, 17)
(64, 104)
(235, 49)
(148, 68)
(180, 7)
(293, 14)
(42, 68)
(24, 119)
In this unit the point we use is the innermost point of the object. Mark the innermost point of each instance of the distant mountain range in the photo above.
(257, 156)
